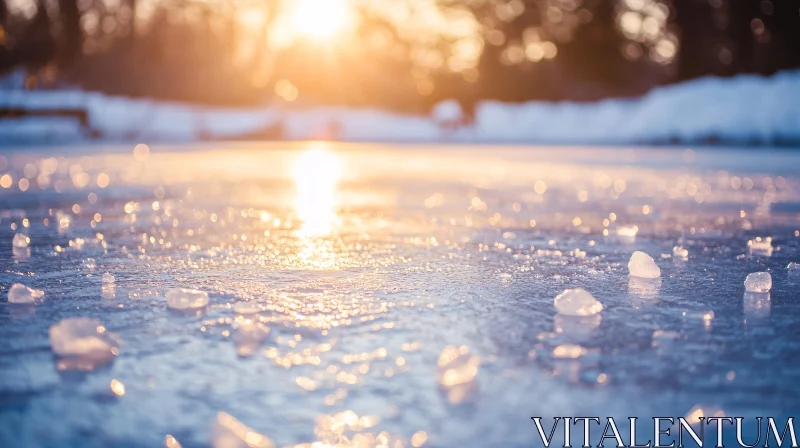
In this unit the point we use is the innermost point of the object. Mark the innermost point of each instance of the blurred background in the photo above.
(401, 55)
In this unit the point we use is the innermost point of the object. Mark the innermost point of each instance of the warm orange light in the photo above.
(316, 175)
(320, 18)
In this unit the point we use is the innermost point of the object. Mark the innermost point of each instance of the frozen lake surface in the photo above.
(389, 295)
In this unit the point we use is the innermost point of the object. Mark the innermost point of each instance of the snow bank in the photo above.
(121, 118)
(745, 109)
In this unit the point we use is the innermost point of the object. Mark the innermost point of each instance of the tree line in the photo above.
(211, 52)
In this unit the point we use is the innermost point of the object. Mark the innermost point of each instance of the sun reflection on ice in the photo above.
(316, 175)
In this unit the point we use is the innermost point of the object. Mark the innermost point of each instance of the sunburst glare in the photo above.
(320, 18)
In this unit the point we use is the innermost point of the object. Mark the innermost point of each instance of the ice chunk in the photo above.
(569, 351)
(627, 234)
(108, 291)
(89, 263)
(456, 366)
(228, 432)
(22, 294)
(643, 265)
(83, 337)
(758, 282)
(577, 302)
(186, 299)
(456, 373)
(627, 231)
(794, 272)
(246, 307)
(64, 220)
(760, 246)
(680, 252)
(249, 336)
(109, 287)
(20, 241)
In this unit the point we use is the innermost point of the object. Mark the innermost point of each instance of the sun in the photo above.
(320, 18)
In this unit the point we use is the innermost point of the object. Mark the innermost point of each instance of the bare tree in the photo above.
(71, 42)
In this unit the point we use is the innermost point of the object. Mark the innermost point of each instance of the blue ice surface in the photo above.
(366, 262)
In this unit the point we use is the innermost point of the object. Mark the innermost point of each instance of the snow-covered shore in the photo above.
(745, 109)
(740, 110)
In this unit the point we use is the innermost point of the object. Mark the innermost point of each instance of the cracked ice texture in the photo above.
(577, 302)
(186, 299)
(19, 293)
(20, 241)
(643, 265)
(758, 282)
(83, 337)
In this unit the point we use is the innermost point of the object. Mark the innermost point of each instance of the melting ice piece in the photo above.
(760, 246)
(758, 282)
(228, 432)
(456, 366)
(680, 252)
(186, 299)
(108, 279)
(569, 351)
(64, 220)
(249, 336)
(793, 267)
(628, 231)
(577, 302)
(89, 263)
(22, 294)
(246, 307)
(20, 241)
(456, 373)
(627, 234)
(83, 337)
(643, 265)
